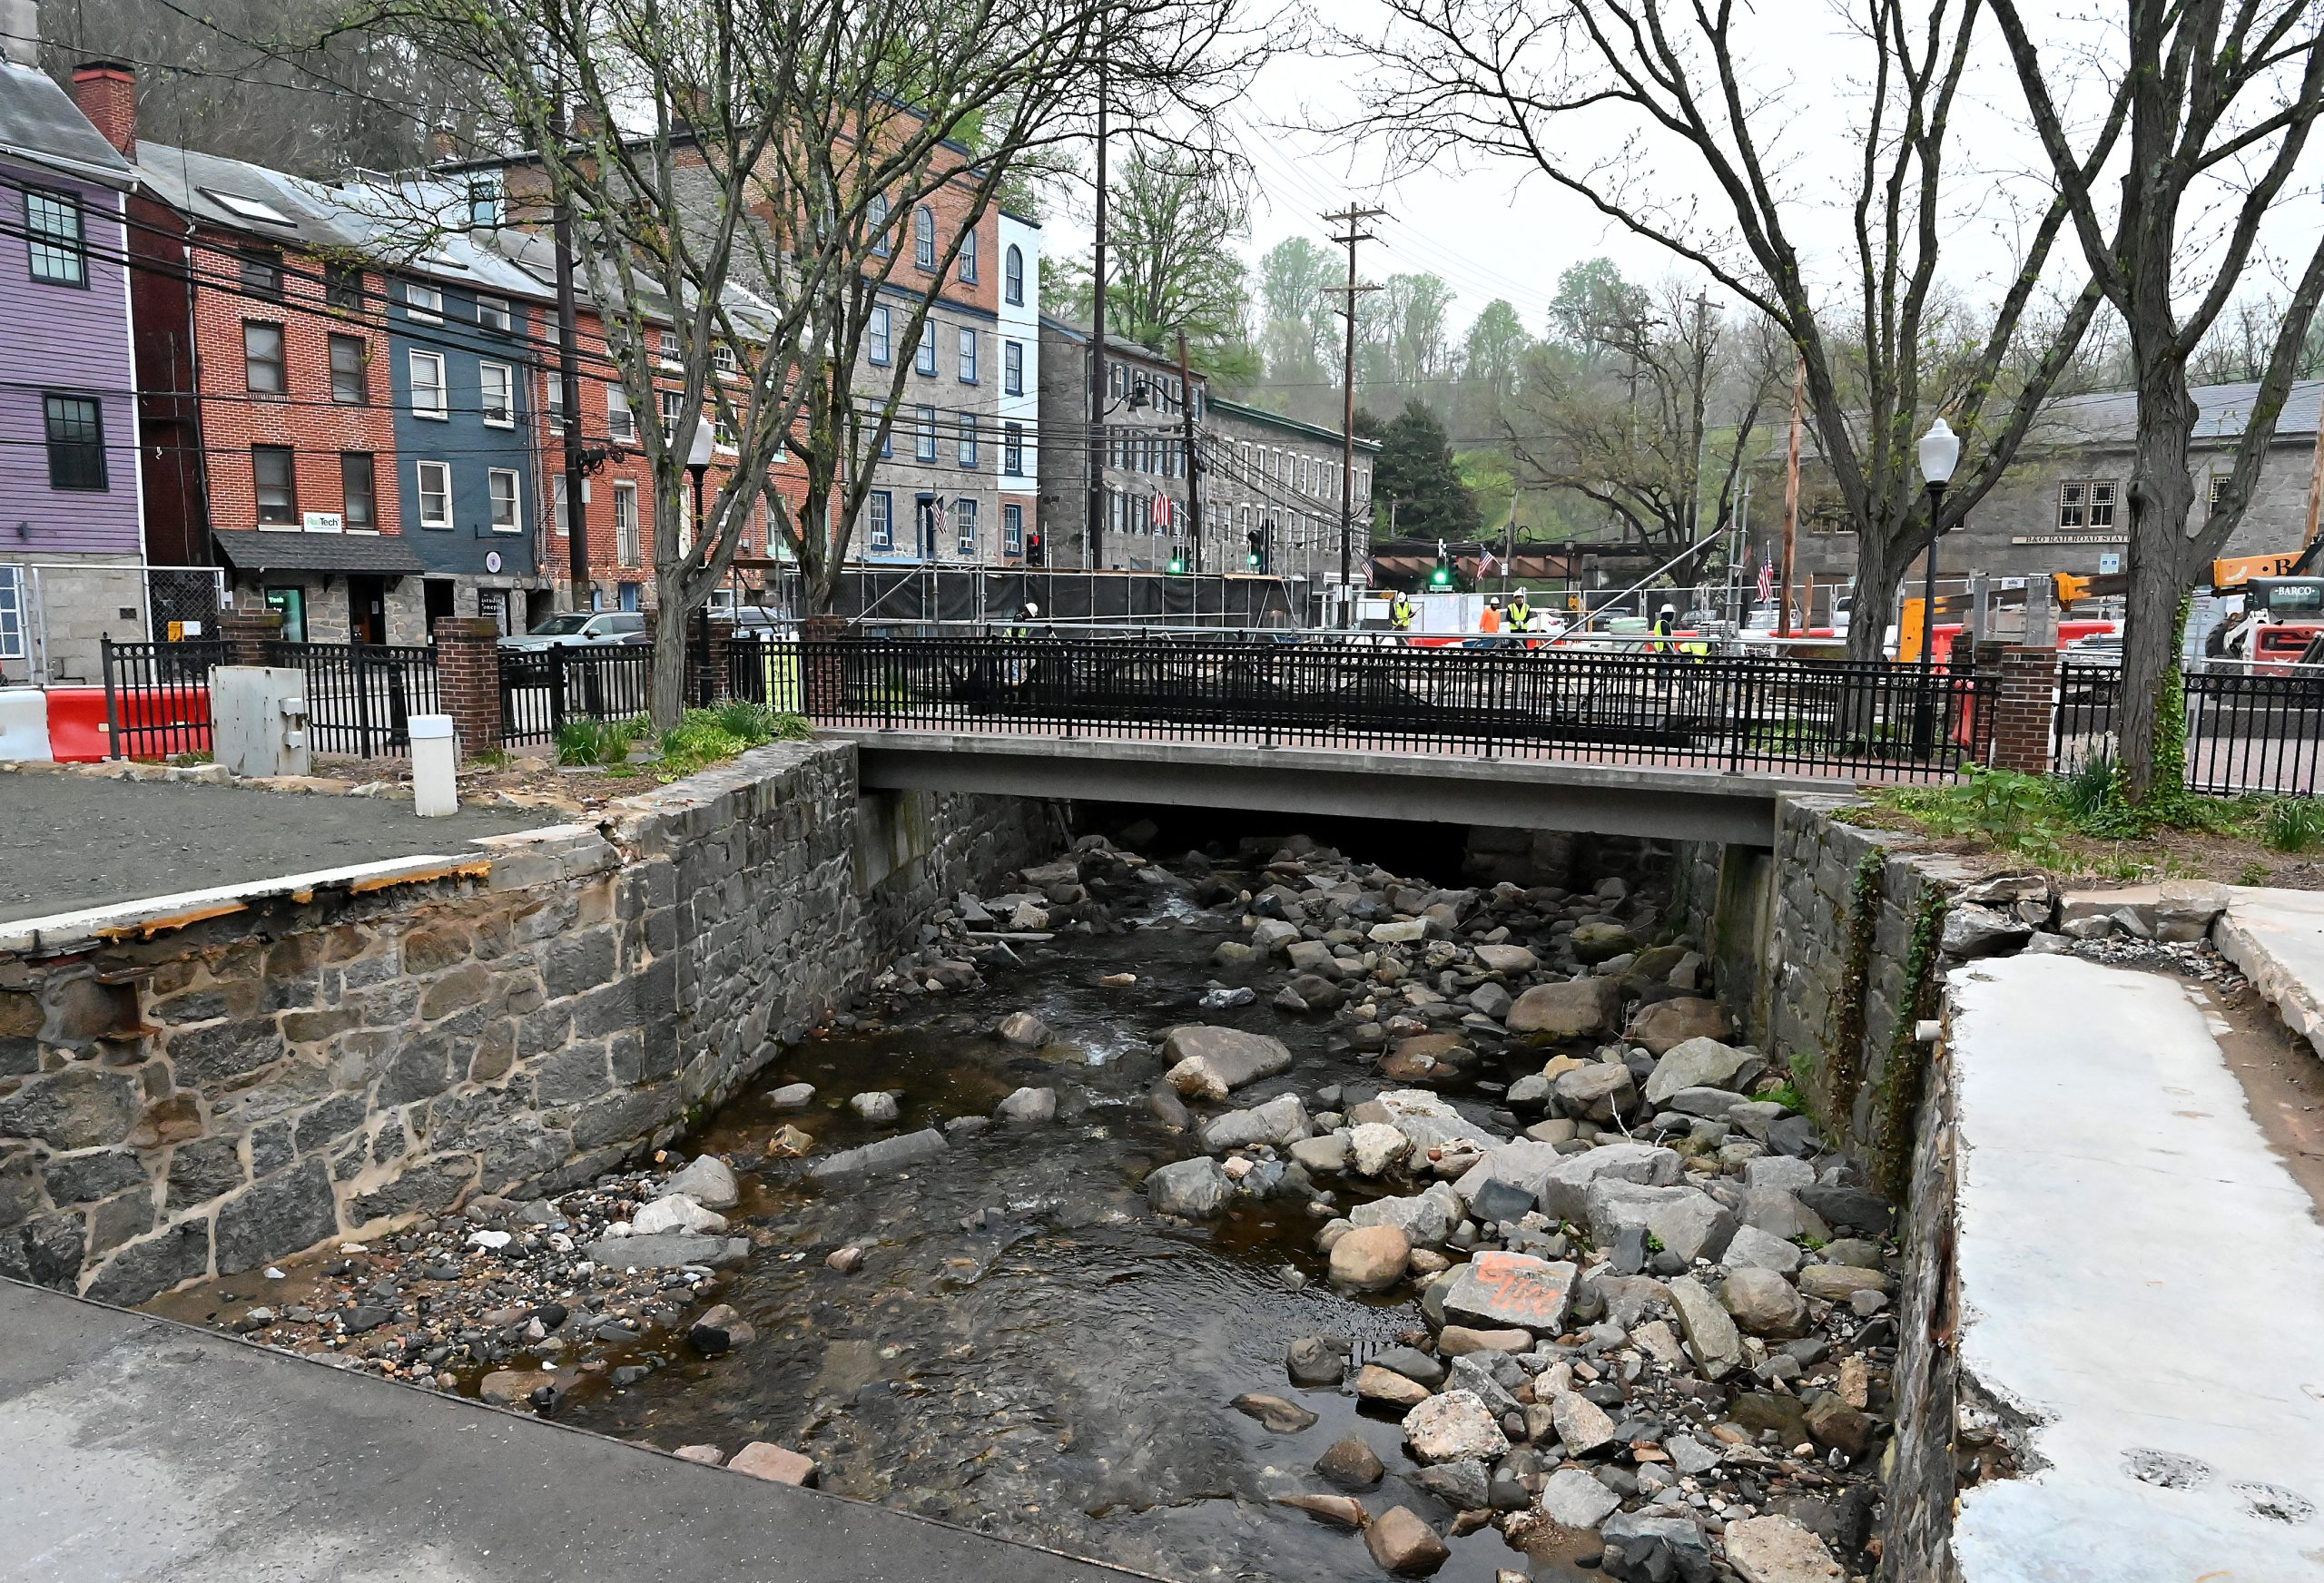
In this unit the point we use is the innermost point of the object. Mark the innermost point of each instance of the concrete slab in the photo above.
(135, 1448)
(2137, 1274)
(2277, 938)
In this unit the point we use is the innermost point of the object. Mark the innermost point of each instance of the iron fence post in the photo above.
(112, 712)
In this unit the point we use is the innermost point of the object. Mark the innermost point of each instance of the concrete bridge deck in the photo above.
(1660, 802)
(136, 1448)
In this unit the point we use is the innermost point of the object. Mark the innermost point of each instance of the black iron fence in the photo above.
(360, 697)
(157, 697)
(1839, 718)
(764, 671)
(2246, 732)
(543, 690)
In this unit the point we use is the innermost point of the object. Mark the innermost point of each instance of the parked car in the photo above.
(581, 629)
(756, 623)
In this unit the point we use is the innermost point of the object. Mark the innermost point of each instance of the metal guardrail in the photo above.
(360, 697)
(1839, 718)
(2246, 732)
(157, 696)
(543, 690)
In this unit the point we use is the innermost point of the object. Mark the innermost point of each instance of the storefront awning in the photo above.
(331, 554)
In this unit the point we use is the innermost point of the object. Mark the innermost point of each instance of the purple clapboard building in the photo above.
(71, 544)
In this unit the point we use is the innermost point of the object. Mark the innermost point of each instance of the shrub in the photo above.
(594, 741)
(2291, 824)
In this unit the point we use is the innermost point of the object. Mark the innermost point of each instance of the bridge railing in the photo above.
(1840, 718)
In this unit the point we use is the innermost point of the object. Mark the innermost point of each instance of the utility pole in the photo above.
(1194, 466)
(1352, 217)
(568, 381)
(1094, 558)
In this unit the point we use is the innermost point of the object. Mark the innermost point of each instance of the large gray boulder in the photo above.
(888, 1154)
(1565, 1186)
(669, 1251)
(1430, 1121)
(1711, 1336)
(1579, 1009)
(1524, 1163)
(1280, 1120)
(1195, 1189)
(1701, 1063)
(1613, 1206)
(1696, 1226)
(1427, 1218)
(1511, 1290)
(1210, 1063)
(707, 1181)
(1573, 1499)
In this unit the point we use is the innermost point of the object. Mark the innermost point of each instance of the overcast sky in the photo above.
(1491, 229)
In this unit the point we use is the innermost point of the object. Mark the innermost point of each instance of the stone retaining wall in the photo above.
(239, 1088)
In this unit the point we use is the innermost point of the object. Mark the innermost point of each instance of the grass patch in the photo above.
(2291, 824)
(600, 743)
(710, 736)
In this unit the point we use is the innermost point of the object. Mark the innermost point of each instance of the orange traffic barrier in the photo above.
(78, 732)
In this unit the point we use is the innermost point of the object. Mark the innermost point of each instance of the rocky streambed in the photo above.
(1253, 1213)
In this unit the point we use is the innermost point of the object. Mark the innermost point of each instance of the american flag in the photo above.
(1162, 511)
(1484, 566)
(1767, 580)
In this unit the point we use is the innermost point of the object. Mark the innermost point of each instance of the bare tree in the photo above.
(1586, 92)
(2222, 102)
(742, 178)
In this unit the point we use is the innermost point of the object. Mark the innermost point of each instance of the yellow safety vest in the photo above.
(1400, 615)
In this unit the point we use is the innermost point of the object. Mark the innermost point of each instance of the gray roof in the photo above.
(406, 229)
(2108, 417)
(255, 550)
(1263, 416)
(40, 124)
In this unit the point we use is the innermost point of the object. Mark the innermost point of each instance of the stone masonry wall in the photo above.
(241, 1088)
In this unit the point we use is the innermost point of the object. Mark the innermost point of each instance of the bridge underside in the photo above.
(1669, 804)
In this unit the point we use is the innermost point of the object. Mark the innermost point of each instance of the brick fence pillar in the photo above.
(467, 679)
(822, 678)
(2024, 706)
(707, 636)
(246, 633)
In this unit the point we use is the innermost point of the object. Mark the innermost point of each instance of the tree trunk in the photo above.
(669, 693)
(1880, 563)
(2163, 564)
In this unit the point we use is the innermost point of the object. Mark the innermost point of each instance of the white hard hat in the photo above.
(1032, 608)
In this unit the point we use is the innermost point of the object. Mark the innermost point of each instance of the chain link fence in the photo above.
(56, 616)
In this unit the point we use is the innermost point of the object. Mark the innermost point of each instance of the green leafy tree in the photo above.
(1416, 471)
(1171, 263)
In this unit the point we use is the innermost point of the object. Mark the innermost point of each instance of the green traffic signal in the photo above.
(1440, 578)
(1177, 566)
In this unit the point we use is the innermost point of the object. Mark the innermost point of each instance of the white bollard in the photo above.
(435, 753)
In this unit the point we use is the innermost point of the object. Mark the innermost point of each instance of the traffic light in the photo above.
(1257, 557)
(1177, 564)
(1033, 549)
(1441, 577)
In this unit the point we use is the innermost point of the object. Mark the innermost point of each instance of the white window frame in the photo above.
(1013, 276)
(924, 439)
(487, 371)
(492, 313)
(441, 412)
(970, 433)
(969, 256)
(1012, 450)
(442, 471)
(492, 479)
(621, 423)
(923, 356)
(968, 354)
(965, 526)
(2104, 493)
(423, 303)
(559, 517)
(881, 527)
(12, 612)
(1012, 367)
(879, 337)
(625, 524)
(1013, 530)
(2074, 505)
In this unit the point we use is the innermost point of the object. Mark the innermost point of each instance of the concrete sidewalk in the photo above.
(135, 1448)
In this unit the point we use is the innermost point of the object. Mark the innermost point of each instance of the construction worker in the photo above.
(1026, 615)
(1489, 619)
(1666, 621)
(1520, 609)
(1400, 613)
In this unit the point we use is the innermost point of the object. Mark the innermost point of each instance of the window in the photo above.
(359, 507)
(1012, 448)
(674, 408)
(924, 237)
(60, 250)
(351, 361)
(968, 356)
(2101, 503)
(621, 424)
(875, 216)
(968, 440)
(275, 484)
(556, 505)
(343, 288)
(264, 373)
(964, 526)
(883, 520)
(1012, 367)
(2218, 488)
(492, 313)
(261, 270)
(436, 494)
(876, 337)
(555, 390)
(422, 302)
(76, 442)
(484, 201)
(723, 358)
(1012, 277)
(969, 256)
(1012, 528)
(924, 356)
(625, 524)
(2073, 497)
(427, 385)
(497, 384)
(500, 486)
(924, 447)
(12, 612)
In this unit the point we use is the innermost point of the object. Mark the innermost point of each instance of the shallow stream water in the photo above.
(1026, 1349)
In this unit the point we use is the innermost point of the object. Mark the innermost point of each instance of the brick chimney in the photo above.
(106, 91)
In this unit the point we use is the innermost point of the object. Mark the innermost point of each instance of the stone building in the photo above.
(1143, 522)
(2064, 505)
(1271, 489)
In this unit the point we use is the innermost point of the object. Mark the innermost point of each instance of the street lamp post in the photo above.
(698, 456)
(1940, 453)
